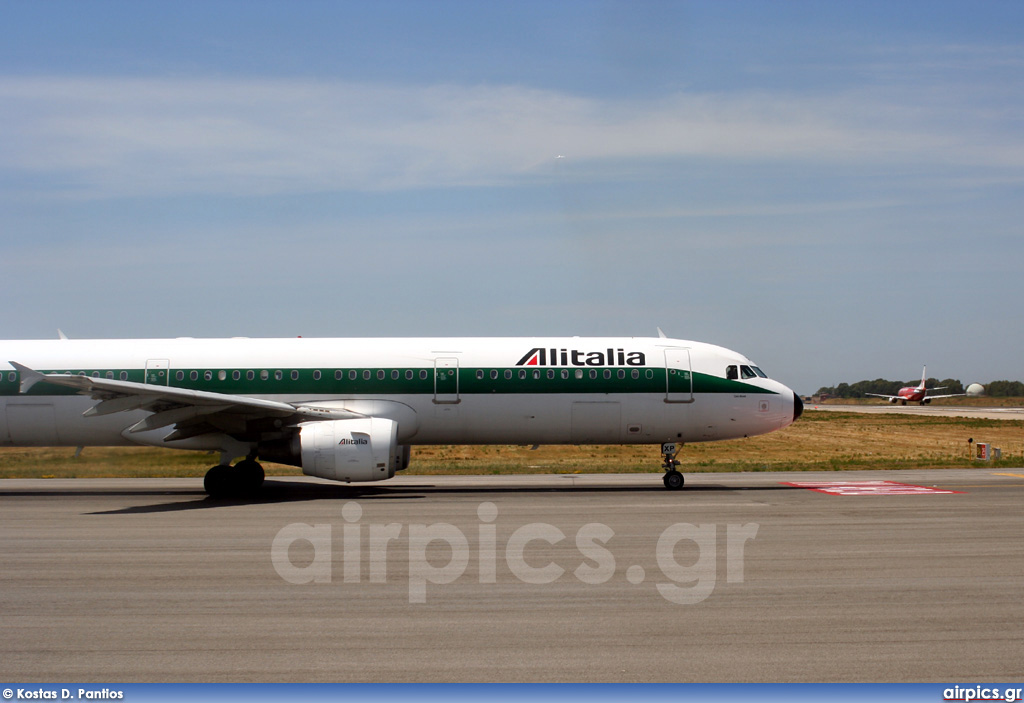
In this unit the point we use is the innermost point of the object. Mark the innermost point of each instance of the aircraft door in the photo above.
(678, 376)
(158, 371)
(446, 380)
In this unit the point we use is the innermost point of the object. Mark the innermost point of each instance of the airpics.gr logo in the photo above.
(575, 357)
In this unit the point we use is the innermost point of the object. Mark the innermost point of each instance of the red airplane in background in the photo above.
(916, 395)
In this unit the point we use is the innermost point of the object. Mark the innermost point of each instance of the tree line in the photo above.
(861, 389)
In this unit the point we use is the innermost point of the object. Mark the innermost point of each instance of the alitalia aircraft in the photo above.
(349, 409)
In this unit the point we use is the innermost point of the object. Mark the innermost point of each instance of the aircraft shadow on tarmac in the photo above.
(286, 492)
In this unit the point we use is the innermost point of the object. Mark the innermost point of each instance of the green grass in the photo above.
(819, 441)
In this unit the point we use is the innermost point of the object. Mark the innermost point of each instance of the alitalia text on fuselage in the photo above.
(539, 356)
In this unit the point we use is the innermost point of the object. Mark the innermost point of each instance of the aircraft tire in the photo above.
(219, 482)
(673, 480)
(249, 475)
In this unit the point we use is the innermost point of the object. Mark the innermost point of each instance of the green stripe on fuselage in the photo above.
(403, 381)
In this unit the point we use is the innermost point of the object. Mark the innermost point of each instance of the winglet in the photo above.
(29, 377)
(61, 335)
(661, 334)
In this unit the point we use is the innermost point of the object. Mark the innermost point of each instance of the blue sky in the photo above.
(833, 189)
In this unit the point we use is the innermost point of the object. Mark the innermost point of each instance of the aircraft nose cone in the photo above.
(798, 407)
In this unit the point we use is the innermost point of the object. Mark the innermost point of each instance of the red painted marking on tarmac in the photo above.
(866, 488)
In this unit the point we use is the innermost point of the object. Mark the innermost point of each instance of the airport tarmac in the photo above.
(934, 410)
(739, 577)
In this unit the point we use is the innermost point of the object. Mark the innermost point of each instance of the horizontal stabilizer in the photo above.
(29, 377)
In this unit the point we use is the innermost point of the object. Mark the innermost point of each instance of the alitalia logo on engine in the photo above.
(576, 357)
(358, 440)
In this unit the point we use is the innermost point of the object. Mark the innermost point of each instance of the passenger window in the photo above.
(635, 373)
(731, 372)
(124, 375)
(508, 374)
(494, 374)
(394, 375)
(194, 375)
(593, 374)
(249, 375)
(565, 373)
(12, 376)
(622, 373)
(408, 375)
(264, 375)
(551, 373)
(295, 375)
(366, 375)
(317, 375)
(208, 375)
(110, 375)
(607, 373)
(179, 376)
(579, 373)
(236, 375)
(222, 375)
(479, 374)
(380, 375)
(279, 375)
(536, 375)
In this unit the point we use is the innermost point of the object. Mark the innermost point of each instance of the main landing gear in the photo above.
(673, 479)
(242, 479)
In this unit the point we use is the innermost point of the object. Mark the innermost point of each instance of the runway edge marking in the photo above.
(866, 488)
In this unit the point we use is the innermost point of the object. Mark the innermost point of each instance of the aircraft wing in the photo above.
(192, 412)
(879, 395)
(948, 395)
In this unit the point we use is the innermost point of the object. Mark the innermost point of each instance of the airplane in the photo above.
(916, 395)
(350, 409)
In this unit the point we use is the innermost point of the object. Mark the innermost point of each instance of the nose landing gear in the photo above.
(673, 479)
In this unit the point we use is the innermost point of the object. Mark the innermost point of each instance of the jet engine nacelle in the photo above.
(363, 449)
(894, 400)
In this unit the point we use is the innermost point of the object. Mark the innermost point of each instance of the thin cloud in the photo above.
(114, 137)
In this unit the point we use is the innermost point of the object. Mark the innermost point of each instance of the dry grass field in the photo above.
(818, 441)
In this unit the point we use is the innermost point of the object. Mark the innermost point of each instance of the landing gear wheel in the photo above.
(218, 482)
(673, 480)
(250, 475)
(242, 479)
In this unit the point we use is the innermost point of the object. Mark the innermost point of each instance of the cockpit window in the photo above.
(747, 372)
(759, 372)
(731, 373)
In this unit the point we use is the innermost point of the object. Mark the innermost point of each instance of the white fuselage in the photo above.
(439, 391)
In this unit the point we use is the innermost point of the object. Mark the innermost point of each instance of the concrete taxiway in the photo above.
(933, 410)
(739, 577)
